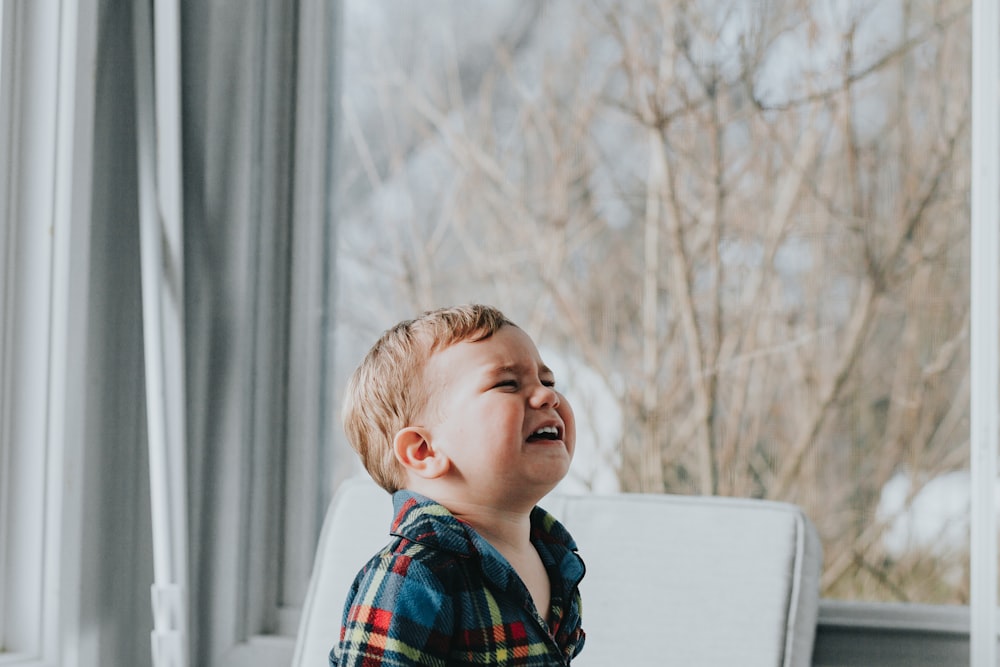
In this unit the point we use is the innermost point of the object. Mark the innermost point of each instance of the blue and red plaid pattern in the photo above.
(439, 594)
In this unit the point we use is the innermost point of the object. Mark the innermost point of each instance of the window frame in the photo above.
(984, 358)
(45, 138)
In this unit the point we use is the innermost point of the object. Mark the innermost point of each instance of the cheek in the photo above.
(569, 421)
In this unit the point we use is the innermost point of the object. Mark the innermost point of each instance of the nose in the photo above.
(544, 397)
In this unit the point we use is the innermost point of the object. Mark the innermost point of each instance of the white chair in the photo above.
(671, 580)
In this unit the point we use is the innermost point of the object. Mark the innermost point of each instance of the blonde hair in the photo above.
(385, 393)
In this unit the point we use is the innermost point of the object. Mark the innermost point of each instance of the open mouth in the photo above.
(544, 434)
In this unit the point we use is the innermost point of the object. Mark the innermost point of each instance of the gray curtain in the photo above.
(258, 106)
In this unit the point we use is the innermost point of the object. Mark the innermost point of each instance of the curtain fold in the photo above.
(257, 87)
(251, 289)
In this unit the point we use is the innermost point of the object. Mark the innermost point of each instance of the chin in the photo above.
(548, 479)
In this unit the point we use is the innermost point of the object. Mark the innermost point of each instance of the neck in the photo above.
(503, 528)
(503, 521)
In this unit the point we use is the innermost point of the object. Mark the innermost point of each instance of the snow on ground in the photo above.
(937, 517)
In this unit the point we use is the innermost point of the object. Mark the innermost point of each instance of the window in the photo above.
(743, 225)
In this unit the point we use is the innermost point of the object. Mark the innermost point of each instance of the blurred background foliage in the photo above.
(739, 229)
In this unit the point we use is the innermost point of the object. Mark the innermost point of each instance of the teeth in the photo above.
(547, 431)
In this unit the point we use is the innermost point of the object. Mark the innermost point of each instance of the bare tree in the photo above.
(749, 219)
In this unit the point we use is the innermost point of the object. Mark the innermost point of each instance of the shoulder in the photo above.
(405, 564)
(428, 523)
(430, 550)
(401, 609)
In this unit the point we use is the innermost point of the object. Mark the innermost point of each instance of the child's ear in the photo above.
(412, 446)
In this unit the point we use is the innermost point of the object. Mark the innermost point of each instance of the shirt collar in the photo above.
(427, 522)
(424, 521)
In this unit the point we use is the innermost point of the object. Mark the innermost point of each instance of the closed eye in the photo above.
(506, 384)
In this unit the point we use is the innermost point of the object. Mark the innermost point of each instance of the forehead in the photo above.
(509, 349)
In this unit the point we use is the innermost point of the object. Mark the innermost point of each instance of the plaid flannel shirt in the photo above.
(440, 594)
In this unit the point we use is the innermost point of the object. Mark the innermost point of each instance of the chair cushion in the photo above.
(671, 580)
(685, 580)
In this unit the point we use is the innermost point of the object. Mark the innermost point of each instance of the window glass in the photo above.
(739, 231)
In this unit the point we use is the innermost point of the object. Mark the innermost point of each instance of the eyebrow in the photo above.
(520, 368)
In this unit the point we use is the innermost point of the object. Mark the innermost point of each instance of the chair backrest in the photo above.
(671, 580)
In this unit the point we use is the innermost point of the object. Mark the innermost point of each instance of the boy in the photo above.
(455, 414)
